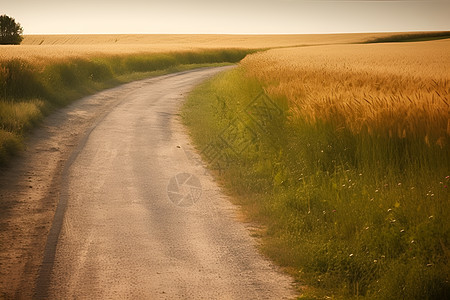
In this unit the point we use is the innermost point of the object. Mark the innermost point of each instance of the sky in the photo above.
(227, 16)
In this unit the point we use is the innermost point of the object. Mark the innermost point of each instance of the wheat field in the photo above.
(51, 47)
(353, 193)
(398, 89)
(350, 174)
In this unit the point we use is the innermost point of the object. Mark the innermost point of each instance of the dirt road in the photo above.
(139, 216)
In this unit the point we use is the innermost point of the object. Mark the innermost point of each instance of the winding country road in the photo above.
(138, 216)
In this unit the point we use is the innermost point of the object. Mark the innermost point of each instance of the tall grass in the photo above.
(350, 174)
(31, 88)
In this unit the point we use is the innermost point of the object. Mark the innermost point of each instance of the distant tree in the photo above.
(10, 31)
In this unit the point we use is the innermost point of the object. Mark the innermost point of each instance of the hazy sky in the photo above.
(229, 16)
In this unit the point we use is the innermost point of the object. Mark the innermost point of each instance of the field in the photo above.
(390, 90)
(63, 46)
(343, 159)
(48, 71)
(338, 149)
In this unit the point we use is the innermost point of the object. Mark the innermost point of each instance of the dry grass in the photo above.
(394, 89)
(17, 117)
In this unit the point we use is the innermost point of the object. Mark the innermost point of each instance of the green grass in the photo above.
(348, 215)
(28, 91)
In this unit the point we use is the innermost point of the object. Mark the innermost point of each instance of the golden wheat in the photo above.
(43, 47)
(398, 89)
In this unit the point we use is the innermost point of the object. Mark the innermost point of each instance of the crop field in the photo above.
(349, 174)
(63, 46)
(337, 148)
(399, 90)
(48, 71)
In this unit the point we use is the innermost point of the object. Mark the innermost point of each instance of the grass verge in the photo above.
(30, 90)
(342, 212)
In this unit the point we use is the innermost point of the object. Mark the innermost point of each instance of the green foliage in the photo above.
(10, 31)
(352, 214)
